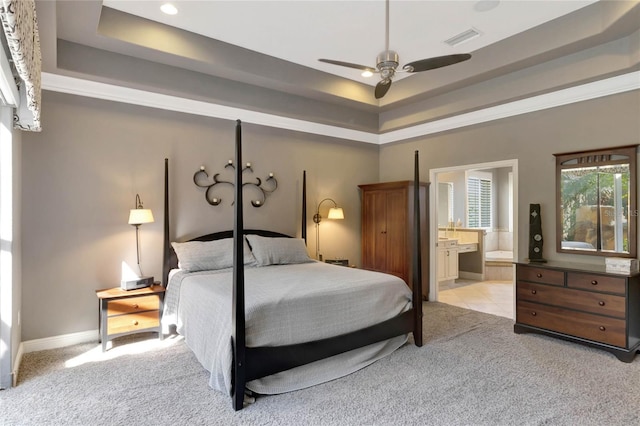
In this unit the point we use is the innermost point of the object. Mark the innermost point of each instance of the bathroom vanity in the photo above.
(581, 303)
(447, 259)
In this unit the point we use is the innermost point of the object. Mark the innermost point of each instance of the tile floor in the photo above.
(492, 297)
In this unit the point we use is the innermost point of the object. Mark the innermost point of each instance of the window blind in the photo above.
(478, 202)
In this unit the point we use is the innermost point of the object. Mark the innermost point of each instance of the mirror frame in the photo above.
(599, 157)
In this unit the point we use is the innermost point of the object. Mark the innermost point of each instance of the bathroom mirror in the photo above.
(596, 202)
(445, 203)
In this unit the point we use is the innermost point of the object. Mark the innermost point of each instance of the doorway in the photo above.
(474, 216)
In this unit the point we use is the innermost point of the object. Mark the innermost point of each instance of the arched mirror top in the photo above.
(596, 206)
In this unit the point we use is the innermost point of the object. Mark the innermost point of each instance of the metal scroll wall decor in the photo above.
(261, 187)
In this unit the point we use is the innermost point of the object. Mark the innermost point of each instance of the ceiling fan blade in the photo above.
(348, 64)
(382, 88)
(437, 62)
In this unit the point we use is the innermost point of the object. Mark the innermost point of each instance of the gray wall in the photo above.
(532, 139)
(502, 205)
(82, 172)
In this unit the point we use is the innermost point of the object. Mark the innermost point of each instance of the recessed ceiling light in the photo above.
(486, 5)
(169, 9)
(366, 73)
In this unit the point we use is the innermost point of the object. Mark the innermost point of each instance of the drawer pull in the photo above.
(601, 303)
(539, 275)
(534, 313)
(594, 282)
(135, 322)
(135, 306)
(602, 328)
(533, 291)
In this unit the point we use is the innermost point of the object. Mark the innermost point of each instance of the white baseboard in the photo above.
(16, 364)
(51, 343)
(60, 341)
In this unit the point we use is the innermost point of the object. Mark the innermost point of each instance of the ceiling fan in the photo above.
(387, 63)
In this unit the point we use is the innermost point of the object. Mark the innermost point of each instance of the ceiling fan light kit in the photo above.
(387, 63)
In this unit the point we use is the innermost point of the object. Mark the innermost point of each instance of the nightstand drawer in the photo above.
(133, 304)
(131, 322)
(596, 282)
(588, 326)
(597, 303)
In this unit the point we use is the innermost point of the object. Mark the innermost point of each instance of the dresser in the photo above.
(388, 229)
(580, 303)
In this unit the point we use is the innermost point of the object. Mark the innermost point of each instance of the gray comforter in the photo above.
(285, 304)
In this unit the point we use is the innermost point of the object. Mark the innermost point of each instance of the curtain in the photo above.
(20, 27)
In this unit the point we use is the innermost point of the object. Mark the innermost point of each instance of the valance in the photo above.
(20, 27)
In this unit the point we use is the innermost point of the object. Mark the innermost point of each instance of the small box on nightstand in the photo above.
(341, 262)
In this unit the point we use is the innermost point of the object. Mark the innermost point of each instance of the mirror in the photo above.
(445, 203)
(596, 202)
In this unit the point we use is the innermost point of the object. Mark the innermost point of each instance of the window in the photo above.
(479, 201)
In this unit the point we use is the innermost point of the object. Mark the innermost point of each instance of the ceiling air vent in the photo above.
(467, 35)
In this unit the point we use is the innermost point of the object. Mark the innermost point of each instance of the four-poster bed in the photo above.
(299, 322)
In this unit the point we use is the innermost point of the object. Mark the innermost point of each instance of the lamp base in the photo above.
(141, 282)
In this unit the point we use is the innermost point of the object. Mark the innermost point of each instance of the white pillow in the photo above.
(278, 251)
(208, 255)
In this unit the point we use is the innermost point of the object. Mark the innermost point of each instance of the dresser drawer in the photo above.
(588, 326)
(540, 275)
(132, 322)
(597, 303)
(596, 282)
(132, 304)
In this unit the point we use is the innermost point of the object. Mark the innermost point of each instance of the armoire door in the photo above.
(374, 225)
(396, 233)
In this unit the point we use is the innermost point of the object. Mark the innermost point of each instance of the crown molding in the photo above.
(115, 93)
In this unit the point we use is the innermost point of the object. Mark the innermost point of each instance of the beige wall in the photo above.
(532, 139)
(81, 174)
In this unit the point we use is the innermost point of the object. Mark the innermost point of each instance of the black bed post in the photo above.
(166, 244)
(237, 309)
(417, 257)
(304, 206)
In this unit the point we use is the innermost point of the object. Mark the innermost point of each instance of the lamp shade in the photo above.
(335, 213)
(140, 216)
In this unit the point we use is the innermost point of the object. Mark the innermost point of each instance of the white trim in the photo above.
(92, 89)
(16, 364)
(584, 92)
(63, 340)
(8, 87)
(433, 224)
(110, 92)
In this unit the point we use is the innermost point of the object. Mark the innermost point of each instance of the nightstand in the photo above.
(125, 312)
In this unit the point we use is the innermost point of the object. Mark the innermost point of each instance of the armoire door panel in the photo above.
(396, 253)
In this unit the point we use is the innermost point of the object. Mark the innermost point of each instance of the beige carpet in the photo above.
(473, 370)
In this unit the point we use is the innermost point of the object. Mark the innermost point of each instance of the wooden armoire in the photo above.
(388, 229)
